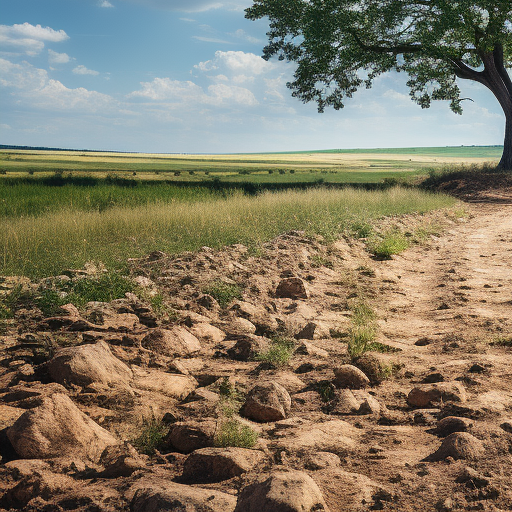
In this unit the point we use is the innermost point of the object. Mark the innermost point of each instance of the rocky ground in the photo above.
(423, 421)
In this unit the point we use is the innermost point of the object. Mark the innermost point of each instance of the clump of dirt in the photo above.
(162, 377)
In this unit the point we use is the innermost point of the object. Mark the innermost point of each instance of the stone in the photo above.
(207, 332)
(159, 495)
(208, 465)
(173, 385)
(322, 460)
(292, 288)
(247, 347)
(282, 491)
(120, 461)
(427, 395)
(86, 364)
(507, 425)
(426, 416)
(58, 428)
(309, 349)
(459, 445)
(472, 478)
(344, 402)
(174, 342)
(8, 415)
(451, 424)
(371, 366)
(267, 402)
(307, 332)
(188, 436)
(288, 380)
(351, 377)
(239, 325)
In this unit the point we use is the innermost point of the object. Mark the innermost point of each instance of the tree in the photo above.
(342, 45)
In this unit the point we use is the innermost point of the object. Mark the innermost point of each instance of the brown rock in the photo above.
(459, 445)
(120, 460)
(267, 402)
(307, 332)
(309, 349)
(85, 364)
(191, 435)
(247, 347)
(452, 424)
(217, 464)
(472, 478)
(282, 491)
(351, 377)
(174, 385)
(241, 326)
(207, 332)
(174, 342)
(151, 495)
(322, 460)
(292, 288)
(425, 396)
(58, 428)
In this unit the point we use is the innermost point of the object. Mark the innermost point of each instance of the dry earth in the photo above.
(436, 434)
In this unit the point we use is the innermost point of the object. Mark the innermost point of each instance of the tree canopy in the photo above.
(340, 46)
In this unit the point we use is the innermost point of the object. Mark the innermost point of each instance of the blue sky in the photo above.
(185, 76)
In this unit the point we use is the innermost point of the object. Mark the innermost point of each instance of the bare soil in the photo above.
(444, 311)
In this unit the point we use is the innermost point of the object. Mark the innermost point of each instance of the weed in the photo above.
(362, 313)
(10, 301)
(391, 242)
(361, 229)
(233, 432)
(49, 301)
(366, 271)
(502, 341)
(360, 337)
(325, 389)
(223, 293)
(376, 346)
(151, 434)
(279, 353)
(319, 260)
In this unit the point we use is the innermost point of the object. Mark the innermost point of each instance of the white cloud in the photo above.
(222, 93)
(161, 89)
(242, 34)
(82, 70)
(211, 40)
(106, 4)
(57, 58)
(237, 62)
(30, 38)
(194, 5)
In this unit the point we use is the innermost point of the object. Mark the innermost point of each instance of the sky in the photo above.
(186, 76)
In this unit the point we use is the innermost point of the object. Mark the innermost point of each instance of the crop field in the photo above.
(59, 210)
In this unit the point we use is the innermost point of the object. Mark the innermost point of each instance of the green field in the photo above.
(59, 210)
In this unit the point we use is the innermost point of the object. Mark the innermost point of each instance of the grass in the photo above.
(233, 432)
(224, 293)
(364, 328)
(279, 353)
(38, 246)
(389, 243)
(151, 434)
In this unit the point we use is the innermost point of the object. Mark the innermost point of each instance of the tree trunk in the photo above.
(506, 159)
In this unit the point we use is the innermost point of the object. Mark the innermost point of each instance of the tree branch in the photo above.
(397, 49)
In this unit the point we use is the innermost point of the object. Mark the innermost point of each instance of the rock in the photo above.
(309, 349)
(257, 315)
(120, 461)
(217, 464)
(292, 288)
(427, 395)
(8, 415)
(203, 395)
(431, 378)
(86, 364)
(371, 366)
(58, 428)
(282, 491)
(102, 313)
(370, 405)
(152, 495)
(288, 380)
(322, 460)
(344, 402)
(191, 435)
(174, 342)
(174, 385)
(459, 445)
(423, 342)
(426, 416)
(351, 377)
(240, 325)
(451, 424)
(208, 302)
(208, 332)
(267, 402)
(507, 426)
(307, 332)
(247, 347)
(472, 478)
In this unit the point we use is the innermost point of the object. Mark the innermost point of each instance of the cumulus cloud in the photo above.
(193, 5)
(30, 38)
(82, 70)
(237, 62)
(57, 58)
(34, 88)
(106, 4)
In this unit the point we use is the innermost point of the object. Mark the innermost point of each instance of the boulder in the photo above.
(188, 436)
(120, 460)
(292, 288)
(282, 491)
(58, 428)
(247, 347)
(267, 402)
(351, 377)
(216, 464)
(86, 364)
(239, 325)
(173, 385)
(427, 395)
(451, 424)
(459, 445)
(174, 342)
(309, 349)
(152, 495)
(207, 332)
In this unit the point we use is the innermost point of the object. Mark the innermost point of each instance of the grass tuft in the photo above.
(233, 432)
(223, 293)
(279, 353)
(151, 434)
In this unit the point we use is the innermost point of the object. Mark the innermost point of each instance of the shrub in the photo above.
(360, 337)
(151, 434)
(392, 242)
(233, 432)
(279, 352)
(223, 293)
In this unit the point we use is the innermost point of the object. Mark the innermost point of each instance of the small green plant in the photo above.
(151, 434)
(376, 346)
(325, 389)
(360, 337)
(233, 432)
(502, 341)
(279, 353)
(223, 293)
(10, 301)
(49, 301)
(318, 261)
(391, 242)
(361, 229)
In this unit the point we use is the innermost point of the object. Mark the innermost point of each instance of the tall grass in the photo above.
(47, 244)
